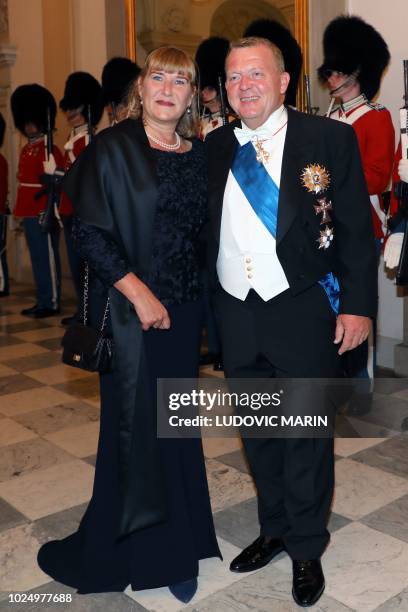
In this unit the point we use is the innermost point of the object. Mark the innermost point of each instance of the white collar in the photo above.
(266, 131)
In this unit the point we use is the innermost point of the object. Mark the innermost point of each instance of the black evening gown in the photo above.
(92, 559)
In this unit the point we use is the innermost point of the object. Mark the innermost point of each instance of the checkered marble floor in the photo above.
(48, 434)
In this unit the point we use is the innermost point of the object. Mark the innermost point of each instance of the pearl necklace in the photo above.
(165, 145)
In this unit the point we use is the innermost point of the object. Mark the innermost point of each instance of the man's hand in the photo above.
(353, 330)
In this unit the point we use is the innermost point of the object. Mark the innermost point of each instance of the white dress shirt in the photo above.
(247, 255)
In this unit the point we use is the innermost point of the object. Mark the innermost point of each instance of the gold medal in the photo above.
(315, 178)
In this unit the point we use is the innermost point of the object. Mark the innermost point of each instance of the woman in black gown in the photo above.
(139, 192)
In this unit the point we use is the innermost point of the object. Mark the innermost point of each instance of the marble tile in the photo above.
(214, 446)
(7, 340)
(269, 590)
(390, 385)
(365, 429)
(336, 522)
(214, 575)
(12, 432)
(227, 485)
(390, 519)
(54, 418)
(100, 602)
(238, 524)
(57, 374)
(80, 441)
(7, 353)
(10, 517)
(84, 388)
(364, 567)
(390, 456)
(91, 460)
(11, 319)
(6, 371)
(17, 460)
(44, 360)
(236, 460)
(398, 603)
(50, 490)
(387, 411)
(32, 399)
(41, 334)
(208, 372)
(18, 560)
(17, 382)
(362, 489)
(53, 344)
(27, 325)
(344, 447)
(59, 525)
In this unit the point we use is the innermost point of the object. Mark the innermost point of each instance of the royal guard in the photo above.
(355, 57)
(290, 49)
(83, 107)
(34, 109)
(210, 58)
(118, 77)
(4, 277)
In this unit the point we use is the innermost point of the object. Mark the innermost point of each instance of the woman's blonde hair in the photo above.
(173, 60)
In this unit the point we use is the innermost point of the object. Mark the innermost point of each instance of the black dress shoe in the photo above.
(308, 582)
(257, 555)
(70, 320)
(28, 312)
(40, 313)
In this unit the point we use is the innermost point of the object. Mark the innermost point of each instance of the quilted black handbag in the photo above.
(85, 347)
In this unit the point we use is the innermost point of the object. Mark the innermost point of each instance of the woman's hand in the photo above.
(149, 309)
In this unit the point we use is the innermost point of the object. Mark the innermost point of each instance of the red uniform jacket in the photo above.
(3, 184)
(376, 139)
(30, 168)
(73, 148)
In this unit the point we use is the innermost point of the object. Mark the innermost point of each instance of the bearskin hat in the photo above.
(351, 45)
(288, 45)
(30, 104)
(2, 129)
(210, 59)
(83, 90)
(118, 75)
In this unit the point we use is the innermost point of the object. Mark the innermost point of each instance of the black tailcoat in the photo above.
(351, 256)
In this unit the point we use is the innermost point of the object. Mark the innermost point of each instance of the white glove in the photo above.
(403, 170)
(392, 251)
(50, 165)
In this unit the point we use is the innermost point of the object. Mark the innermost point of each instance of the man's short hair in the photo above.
(255, 41)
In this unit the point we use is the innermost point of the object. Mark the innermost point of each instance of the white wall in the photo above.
(390, 19)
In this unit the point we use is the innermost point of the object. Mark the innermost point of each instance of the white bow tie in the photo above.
(244, 135)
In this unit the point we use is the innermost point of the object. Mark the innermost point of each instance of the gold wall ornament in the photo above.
(130, 18)
(315, 178)
(302, 36)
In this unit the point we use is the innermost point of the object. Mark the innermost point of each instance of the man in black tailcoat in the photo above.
(294, 271)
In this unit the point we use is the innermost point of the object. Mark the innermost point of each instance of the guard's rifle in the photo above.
(89, 123)
(223, 106)
(311, 110)
(401, 188)
(49, 218)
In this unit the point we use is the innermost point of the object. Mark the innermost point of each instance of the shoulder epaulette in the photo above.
(378, 107)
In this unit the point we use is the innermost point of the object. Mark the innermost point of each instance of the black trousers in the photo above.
(288, 336)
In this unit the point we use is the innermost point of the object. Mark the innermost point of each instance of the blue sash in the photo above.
(262, 193)
(257, 185)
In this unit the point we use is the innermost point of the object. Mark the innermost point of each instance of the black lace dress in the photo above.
(92, 559)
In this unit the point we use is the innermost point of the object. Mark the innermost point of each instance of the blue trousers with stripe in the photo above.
(45, 263)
